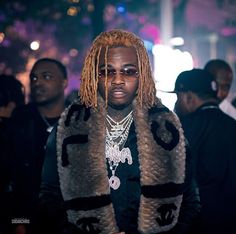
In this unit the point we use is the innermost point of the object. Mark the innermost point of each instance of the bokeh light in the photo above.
(168, 63)
(34, 45)
(2, 35)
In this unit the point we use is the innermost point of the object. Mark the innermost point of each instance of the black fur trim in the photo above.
(86, 114)
(172, 129)
(162, 191)
(88, 203)
(74, 139)
(76, 108)
(86, 225)
(166, 216)
(155, 110)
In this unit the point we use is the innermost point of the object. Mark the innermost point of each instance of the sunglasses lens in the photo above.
(130, 72)
(102, 73)
(110, 72)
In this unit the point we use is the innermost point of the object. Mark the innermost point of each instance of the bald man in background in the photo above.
(223, 74)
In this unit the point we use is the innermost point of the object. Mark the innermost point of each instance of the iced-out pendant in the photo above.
(114, 182)
(49, 129)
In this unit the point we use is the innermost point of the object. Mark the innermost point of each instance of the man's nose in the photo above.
(118, 78)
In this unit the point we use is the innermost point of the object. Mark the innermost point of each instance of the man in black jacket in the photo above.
(11, 96)
(30, 129)
(117, 163)
(211, 136)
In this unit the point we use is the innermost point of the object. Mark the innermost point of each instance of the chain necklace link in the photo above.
(115, 140)
(49, 127)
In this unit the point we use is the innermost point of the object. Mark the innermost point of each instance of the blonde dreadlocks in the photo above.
(89, 80)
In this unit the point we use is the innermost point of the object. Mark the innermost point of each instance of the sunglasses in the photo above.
(125, 72)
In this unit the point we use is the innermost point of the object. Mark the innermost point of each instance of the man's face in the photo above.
(223, 79)
(122, 74)
(47, 83)
(181, 105)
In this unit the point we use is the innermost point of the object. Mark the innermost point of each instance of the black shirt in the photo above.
(28, 139)
(127, 197)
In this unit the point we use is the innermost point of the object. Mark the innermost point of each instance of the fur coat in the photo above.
(83, 172)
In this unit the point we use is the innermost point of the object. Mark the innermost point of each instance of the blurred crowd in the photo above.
(204, 106)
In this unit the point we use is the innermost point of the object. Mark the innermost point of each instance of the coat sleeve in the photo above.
(51, 212)
(190, 208)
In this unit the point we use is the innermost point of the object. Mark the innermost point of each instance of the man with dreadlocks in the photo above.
(117, 156)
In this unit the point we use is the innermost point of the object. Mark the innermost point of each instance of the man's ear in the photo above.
(65, 83)
(189, 97)
(192, 101)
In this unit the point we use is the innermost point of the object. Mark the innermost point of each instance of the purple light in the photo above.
(150, 32)
(2, 17)
(227, 31)
(6, 43)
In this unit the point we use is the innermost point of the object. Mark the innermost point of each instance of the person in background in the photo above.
(30, 129)
(116, 161)
(11, 96)
(223, 74)
(211, 136)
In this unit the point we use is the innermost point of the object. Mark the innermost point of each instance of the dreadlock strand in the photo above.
(145, 75)
(85, 77)
(94, 81)
(106, 83)
(97, 75)
(140, 95)
(148, 92)
(87, 85)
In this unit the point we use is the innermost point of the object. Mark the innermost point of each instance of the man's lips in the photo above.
(117, 93)
(38, 92)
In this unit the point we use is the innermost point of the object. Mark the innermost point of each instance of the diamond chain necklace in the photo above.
(115, 140)
(119, 130)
